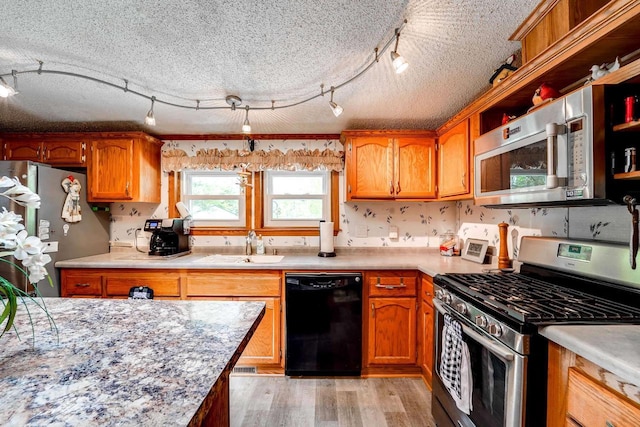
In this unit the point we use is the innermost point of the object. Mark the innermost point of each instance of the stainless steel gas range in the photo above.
(490, 362)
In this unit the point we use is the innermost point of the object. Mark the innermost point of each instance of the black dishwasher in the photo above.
(324, 324)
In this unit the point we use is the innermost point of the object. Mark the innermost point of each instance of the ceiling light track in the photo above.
(232, 100)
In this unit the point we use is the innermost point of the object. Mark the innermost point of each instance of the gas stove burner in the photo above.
(534, 301)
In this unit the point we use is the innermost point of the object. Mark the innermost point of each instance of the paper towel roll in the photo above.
(182, 209)
(326, 237)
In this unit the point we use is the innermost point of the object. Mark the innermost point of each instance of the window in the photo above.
(296, 199)
(215, 199)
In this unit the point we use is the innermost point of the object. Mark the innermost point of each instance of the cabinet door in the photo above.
(370, 168)
(23, 150)
(415, 168)
(64, 153)
(111, 171)
(427, 340)
(392, 331)
(453, 164)
(264, 346)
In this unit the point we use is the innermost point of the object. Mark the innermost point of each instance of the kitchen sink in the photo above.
(241, 259)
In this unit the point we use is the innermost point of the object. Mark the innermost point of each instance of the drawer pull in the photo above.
(400, 286)
(373, 310)
(82, 285)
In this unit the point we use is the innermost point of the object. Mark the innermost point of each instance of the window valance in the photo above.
(175, 160)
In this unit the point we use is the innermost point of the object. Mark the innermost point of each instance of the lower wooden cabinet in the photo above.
(590, 403)
(264, 347)
(581, 393)
(392, 331)
(426, 327)
(264, 350)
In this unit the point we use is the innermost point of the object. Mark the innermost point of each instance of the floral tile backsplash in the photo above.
(419, 224)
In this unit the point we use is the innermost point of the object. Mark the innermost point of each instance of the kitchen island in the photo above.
(124, 362)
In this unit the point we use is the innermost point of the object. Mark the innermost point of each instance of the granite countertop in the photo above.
(428, 261)
(120, 362)
(615, 348)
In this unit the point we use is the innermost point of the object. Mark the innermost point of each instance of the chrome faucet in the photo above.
(249, 239)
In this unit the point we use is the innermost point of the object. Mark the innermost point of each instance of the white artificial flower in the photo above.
(27, 245)
(37, 273)
(9, 227)
(5, 181)
(19, 193)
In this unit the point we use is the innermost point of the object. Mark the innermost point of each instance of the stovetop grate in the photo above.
(538, 302)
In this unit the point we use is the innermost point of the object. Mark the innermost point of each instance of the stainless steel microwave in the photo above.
(552, 156)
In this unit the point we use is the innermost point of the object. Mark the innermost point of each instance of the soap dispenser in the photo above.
(259, 245)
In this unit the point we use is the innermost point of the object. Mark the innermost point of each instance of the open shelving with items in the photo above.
(612, 30)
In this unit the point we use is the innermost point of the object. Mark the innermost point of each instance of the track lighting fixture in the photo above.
(150, 120)
(246, 127)
(337, 110)
(6, 90)
(234, 101)
(398, 61)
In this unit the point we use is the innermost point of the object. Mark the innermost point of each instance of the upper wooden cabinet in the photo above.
(454, 161)
(53, 149)
(124, 168)
(391, 165)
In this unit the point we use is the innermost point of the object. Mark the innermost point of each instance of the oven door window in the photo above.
(498, 379)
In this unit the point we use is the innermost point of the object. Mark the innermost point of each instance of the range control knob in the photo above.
(439, 294)
(495, 329)
(482, 321)
(446, 297)
(461, 308)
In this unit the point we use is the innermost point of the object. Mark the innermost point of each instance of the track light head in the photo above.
(337, 110)
(150, 119)
(246, 126)
(6, 90)
(399, 63)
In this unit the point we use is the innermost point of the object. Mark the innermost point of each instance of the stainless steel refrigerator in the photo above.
(89, 236)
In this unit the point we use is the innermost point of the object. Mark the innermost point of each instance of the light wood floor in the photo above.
(371, 402)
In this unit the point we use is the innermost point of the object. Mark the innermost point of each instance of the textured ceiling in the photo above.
(186, 50)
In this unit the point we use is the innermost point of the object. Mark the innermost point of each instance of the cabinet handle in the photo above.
(398, 189)
(82, 285)
(391, 187)
(126, 189)
(349, 187)
(373, 310)
(464, 184)
(400, 286)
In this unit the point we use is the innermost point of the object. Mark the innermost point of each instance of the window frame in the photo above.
(255, 216)
(268, 197)
(245, 203)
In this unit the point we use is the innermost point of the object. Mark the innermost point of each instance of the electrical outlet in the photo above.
(50, 247)
(361, 231)
(393, 232)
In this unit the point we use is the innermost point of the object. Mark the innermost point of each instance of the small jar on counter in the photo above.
(449, 244)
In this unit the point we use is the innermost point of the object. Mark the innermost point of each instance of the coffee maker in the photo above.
(169, 236)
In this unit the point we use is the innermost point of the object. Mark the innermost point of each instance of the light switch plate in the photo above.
(393, 232)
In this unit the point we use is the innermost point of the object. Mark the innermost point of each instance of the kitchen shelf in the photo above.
(628, 127)
(628, 175)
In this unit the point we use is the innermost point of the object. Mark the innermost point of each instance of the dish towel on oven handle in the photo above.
(455, 365)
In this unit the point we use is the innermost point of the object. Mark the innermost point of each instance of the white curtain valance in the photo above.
(176, 160)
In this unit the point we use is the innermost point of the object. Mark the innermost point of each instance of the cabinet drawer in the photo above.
(81, 285)
(590, 403)
(162, 285)
(233, 284)
(385, 284)
(427, 289)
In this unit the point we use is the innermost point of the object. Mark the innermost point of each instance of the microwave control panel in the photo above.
(577, 158)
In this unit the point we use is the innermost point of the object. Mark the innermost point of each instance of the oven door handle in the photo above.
(482, 340)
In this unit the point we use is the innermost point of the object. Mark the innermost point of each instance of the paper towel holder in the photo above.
(324, 253)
